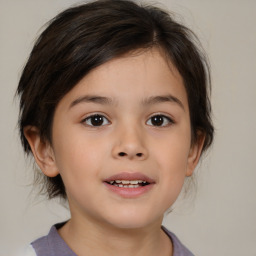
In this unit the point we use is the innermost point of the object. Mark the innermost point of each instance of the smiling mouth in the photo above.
(128, 183)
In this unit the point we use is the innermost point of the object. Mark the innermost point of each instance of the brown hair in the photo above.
(84, 37)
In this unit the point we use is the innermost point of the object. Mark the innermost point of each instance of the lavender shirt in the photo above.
(54, 245)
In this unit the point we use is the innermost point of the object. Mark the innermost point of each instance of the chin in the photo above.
(133, 220)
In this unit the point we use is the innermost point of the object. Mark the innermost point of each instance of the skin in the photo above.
(86, 155)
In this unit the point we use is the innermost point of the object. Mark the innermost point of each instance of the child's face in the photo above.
(141, 131)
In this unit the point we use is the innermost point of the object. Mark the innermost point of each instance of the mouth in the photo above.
(129, 185)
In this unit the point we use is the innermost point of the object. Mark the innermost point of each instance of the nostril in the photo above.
(122, 154)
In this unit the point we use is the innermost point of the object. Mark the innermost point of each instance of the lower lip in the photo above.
(129, 192)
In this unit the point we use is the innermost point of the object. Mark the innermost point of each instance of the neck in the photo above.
(87, 238)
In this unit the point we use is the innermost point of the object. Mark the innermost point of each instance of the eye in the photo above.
(96, 120)
(159, 120)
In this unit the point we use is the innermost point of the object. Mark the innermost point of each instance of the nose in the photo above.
(129, 144)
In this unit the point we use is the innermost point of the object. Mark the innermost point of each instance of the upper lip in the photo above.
(130, 176)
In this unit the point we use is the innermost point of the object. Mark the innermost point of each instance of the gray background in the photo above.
(221, 220)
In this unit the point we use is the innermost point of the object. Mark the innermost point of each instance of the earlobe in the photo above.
(42, 151)
(194, 154)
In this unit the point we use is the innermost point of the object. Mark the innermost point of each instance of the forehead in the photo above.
(135, 76)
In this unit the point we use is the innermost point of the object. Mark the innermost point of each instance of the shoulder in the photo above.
(178, 248)
(52, 244)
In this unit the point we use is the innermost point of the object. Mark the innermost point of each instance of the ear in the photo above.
(195, 153)
(42, 151)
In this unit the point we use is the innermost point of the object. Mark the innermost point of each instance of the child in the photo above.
(114, 107)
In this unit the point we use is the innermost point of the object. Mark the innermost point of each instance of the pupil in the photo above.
(157, 120)
(97, 120)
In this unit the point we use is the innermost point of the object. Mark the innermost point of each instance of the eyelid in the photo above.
(167, 116)
(90, 115)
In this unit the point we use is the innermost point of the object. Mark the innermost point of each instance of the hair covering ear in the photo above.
(42, 151)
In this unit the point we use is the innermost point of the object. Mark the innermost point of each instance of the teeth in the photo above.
(126, 186)
(127, 182)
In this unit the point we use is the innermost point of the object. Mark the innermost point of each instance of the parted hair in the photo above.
(84, 37)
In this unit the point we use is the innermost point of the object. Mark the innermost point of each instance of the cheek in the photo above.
(174, 167)
(79, 166)
(171, 180)
(172, 161)
(173, 153)
(77, 146)
(78, 156)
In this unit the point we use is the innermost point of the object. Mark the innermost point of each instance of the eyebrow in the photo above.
(92, 99)
(163, 98)
(109, 101)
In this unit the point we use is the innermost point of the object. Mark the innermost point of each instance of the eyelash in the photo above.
(166, 120)
(89, 118)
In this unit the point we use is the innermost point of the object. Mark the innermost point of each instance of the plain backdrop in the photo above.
(221, 220)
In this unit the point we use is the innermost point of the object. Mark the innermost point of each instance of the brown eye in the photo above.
(96, 120)
(159, 120)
